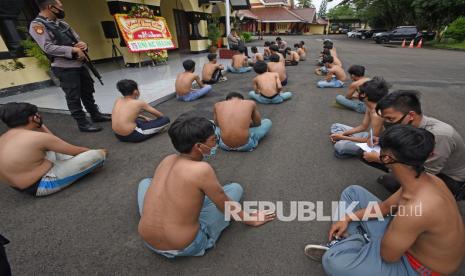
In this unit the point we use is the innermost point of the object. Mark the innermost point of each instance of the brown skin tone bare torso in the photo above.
(267, 84)
(238, 61)
(209, 69)
(234, 117)
(302, 54)
(278, 67)
(435, 237)
(184, 83)
(125, 112)
(172, 204)
(335, 70)
(293, 56)
(22, 155)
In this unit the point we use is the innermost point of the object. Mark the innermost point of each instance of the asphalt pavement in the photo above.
(90, 228)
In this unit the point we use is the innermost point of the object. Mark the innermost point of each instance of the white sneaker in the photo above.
(315, 252)
(222, 79)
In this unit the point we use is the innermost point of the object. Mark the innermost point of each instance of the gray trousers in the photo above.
(355, 256)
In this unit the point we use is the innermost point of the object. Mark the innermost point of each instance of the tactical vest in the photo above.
(62, 33)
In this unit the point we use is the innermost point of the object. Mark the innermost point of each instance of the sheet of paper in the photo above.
(365, 147)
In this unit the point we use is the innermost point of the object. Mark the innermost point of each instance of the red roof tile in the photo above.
(308, 14)
(246, 14)
(276, 14)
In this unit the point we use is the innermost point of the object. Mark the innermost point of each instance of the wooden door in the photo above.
(182, 30)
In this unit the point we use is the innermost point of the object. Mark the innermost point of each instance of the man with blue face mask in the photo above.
(182, 207)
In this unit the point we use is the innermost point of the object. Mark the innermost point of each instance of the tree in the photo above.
(426, 14)
(342, 12)
(305, 4)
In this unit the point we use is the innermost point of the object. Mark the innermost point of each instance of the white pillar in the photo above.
(228, 17)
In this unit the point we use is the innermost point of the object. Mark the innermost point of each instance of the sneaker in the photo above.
(222, 79)
(316, 251)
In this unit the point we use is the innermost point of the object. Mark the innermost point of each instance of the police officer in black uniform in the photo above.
(57, 40)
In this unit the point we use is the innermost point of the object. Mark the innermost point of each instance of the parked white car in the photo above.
(351, 34)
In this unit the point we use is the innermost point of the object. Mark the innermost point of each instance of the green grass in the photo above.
(449, 45)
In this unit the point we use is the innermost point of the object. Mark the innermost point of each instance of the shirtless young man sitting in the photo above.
(300, 51)
(422, 231)
(335, 77)
(275, 51)
(239, 63)
(184, 81)
(211, 72)
(324, 70)
(351, 99)
(267, 86)
(292, 57)
(256, 56)
(128, 124)
(266, 50)
(345, 138)
(275, 66)
(239, 124)
(36, 162)
(182, 207)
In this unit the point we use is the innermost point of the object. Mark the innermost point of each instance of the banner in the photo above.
(144, 34)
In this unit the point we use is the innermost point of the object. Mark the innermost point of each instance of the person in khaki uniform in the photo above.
(57, 40)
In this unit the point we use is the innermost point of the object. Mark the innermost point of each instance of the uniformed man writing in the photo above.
(57, 39)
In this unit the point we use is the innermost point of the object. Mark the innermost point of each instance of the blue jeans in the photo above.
(283, 96)
(344, 148)
(255, 135)
(240, 70)
(354, 105)
(211, 222)
(195, 94)
(355, 256)
(334, 83)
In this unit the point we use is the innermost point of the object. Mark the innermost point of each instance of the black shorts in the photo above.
(145, 130)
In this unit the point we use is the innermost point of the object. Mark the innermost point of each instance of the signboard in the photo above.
(144, 34)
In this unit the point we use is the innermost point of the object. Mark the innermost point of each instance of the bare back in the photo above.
(172, 204)
(22, 157)
(184, 83)
(239, 61)
(233, 118)
(302, 54)
(441, 246)
(124, 115)
(278, 67)
(267, 84)
(208, 70)
(338, 72)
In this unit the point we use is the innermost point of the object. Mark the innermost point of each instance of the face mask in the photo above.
(212, 153)
(60, 14)
(389, 124)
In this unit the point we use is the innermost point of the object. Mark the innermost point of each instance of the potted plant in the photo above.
(214, 36)
(32, 49)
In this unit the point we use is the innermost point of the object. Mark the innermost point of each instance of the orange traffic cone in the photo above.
(420, 44)
(411, 44)
(403, 43)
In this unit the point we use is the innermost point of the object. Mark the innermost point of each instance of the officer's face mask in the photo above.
(59, 13)
(391, 124)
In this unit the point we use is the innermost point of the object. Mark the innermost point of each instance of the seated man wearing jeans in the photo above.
(36, 162)
(345, 138)
(239, 63)
(239, 124)
(417, 231)
(350, 100)
(182, 206)
(335, 77)
(448, 159)
(267, 86)
(128, 124)
(184, 81)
